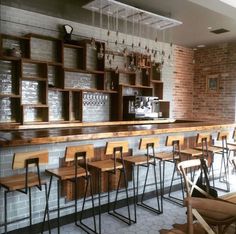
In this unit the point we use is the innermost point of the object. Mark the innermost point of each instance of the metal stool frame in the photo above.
(87, 177)
(112, 210)
(176, 157)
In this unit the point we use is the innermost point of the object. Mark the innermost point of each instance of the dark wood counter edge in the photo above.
(79, 124)
(167, 128)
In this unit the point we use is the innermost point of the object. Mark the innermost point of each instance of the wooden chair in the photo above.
(111, 166)
(176, 142)
(219, 218)
(148, 144)
(196, 207)
(29, 161)
(78, 157)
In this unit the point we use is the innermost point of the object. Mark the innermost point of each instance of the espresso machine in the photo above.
(140, 107)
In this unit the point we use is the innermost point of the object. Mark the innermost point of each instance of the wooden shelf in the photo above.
(156, 81)
(9, 95)
(27, 60)
(82, 71)
(43, 37)
(20, 43)
(136, 86)
(35, 105)
(58, 89)
(10, 58)
(120, 71)
(72, 46)
(46, 77)
(33, 78)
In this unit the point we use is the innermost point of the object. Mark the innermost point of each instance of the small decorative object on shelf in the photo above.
(14, 52)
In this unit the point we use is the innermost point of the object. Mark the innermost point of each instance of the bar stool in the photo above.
(148, 144)
(208, 150)
(110, 166)
(222, 137)
(174, 157)
(78, 156)
(30, 161)
(231, 145)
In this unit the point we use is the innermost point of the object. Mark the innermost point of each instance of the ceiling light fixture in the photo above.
(133, 13)
(232, 3)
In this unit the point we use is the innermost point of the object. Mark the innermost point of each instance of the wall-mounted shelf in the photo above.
(70, 82)
(9, 43)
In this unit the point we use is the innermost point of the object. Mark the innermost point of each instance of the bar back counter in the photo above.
(55, 140)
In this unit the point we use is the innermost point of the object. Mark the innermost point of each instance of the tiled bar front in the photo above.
(18, 203)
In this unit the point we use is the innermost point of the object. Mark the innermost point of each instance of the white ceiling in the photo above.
(197, 16)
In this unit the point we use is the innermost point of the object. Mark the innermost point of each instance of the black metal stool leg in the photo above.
(58, 206)
(117, 192)
(108, 191)
(161, 188)
(157, 211)
(137, 200)
(157, 193)
(82, 225)
(163, 178)
(91, 191)
(99, 202)
(30, 210)
(47, 207)
(134, 194)
(145, 182)
(175, 200)
(127, 194)
(46, 211)
(172, 180)
(5, 207)
(114, 213)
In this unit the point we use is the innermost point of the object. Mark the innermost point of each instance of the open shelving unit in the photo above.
(56, 82)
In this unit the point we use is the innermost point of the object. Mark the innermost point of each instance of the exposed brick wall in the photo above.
(220, 61)
(183, 83)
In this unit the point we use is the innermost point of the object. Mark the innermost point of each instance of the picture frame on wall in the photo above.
(212, 83)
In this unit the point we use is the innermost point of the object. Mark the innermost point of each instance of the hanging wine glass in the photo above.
(117, 70)
(124, 41)
(93, 42)
(108, 29)
(117, 32)
(170, 57)
(100, 54)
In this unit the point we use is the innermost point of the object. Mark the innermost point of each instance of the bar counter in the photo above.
(89, 131)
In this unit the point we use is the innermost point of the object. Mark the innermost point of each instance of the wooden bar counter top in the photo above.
(53, 134)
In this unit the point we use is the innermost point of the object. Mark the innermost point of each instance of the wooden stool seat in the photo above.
(18, 181)
(105, 165)
(211, 149)
(164, 156)
(231, 146)
(65, 173)
(191, 152)
(137, 160)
